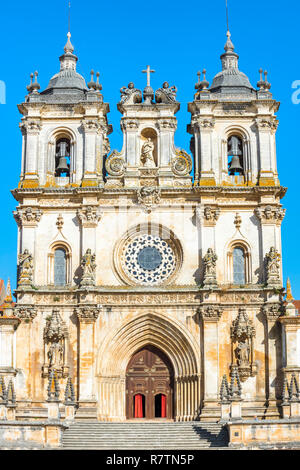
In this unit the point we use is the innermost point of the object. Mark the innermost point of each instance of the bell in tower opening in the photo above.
(235, 156)
(62, 158)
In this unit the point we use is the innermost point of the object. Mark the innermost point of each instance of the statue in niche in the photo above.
(210, 263)
(147, 156)
(25, 268)
(88, 267)
(130, 94)
(56, 355)
(273, 267)
(166, 94)
(243, 353)
(55, 337)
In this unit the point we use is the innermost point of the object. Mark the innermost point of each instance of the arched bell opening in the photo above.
(149, 385)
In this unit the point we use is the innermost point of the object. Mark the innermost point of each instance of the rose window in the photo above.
(147, 259)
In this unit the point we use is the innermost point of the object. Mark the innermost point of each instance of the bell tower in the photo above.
(64, 129)
(233, 128)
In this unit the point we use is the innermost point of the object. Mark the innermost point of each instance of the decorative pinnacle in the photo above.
(98, 84)
(289, 295)
(229, 47)
(8, 297)
(33, 87)
(197, 85)
(267, 84)
(92, 83)
(69, 46)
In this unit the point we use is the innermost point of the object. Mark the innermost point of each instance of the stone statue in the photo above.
(130, 95)
(25, 268)
(210, 263)
(55, 336)
(147, 157)
(166, 94)
(273, 267)
(88, 267)
(243, 353)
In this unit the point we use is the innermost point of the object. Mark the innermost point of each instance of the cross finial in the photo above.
(148, 71)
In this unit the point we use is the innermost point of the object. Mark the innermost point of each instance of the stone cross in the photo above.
(148, 71)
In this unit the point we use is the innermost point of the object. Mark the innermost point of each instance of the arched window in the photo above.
(60, 267)
(239, 266)
(235, 156)
(59, 264)
(62, 157)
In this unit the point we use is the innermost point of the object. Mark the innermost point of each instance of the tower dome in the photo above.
(231, 81)
(67, 81)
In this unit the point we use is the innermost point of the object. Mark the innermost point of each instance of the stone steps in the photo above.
(124, 436)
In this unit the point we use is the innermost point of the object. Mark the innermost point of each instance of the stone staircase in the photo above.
(146, 436)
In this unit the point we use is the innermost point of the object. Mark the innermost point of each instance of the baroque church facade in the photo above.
(150, 279)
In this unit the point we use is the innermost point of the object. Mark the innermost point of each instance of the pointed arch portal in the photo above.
(173, 344)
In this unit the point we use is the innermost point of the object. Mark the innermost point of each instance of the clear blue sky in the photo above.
(176, 38)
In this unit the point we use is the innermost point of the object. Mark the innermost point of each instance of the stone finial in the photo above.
(8, 297)
(98, 84)
(69, 48)
(224, 390)
(289, 296)
(235, 384)
(3, 391)
(69, 392)
(92, 84)
(237, 221)
(294, 388)
(60, 222)
(34, 86)
(290, 309)
(53, 387)
(11, 395)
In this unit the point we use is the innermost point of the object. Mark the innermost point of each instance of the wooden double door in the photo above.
(149, 385)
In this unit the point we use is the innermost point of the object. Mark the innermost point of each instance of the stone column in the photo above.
(207, 174)
(87, 316)
(210, 315)
(32, 130)
(266, 128)
(91, 129)
(271, 312)
(8, 325)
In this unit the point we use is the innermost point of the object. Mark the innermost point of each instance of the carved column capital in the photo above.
(270, 215)
(210, 313)
(89, 216)
(26, 312)
(272, 311)
(87, 313)
(28, 217)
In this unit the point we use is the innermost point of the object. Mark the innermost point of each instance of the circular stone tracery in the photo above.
(148, 260)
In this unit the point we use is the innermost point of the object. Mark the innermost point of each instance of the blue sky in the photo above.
(177, 39)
